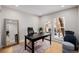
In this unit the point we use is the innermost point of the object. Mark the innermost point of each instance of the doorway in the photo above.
(59, 28)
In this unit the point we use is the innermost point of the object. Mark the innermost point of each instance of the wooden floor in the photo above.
(56, 47)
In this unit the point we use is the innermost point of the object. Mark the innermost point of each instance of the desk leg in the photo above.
(32, 46)
(50, 39)
(42, 39)
(25, 43)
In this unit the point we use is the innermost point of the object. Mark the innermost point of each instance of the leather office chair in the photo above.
(40, 30)
(30, 31)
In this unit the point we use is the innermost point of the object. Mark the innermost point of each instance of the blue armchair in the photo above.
(70, 41)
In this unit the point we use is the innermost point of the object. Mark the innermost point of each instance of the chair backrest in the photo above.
(40, 30)
(70, 38)
(30, 30)
(69, 32)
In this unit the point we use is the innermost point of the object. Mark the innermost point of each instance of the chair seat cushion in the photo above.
(68, 45)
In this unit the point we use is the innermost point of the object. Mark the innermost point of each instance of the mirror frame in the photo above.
(4, 32)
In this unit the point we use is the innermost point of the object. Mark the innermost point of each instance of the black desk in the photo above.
(33, 38)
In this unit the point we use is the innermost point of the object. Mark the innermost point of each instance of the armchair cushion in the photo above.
(68, 46)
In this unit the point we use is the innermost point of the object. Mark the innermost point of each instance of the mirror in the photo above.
(11, 31)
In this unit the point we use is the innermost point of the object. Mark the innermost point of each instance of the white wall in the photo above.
(0, 24)
(78, 25)
(25, 20)
(70, 17)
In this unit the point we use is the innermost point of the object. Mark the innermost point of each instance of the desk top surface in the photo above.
(37, 35)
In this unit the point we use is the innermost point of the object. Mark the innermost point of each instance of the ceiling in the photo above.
(40, 10)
